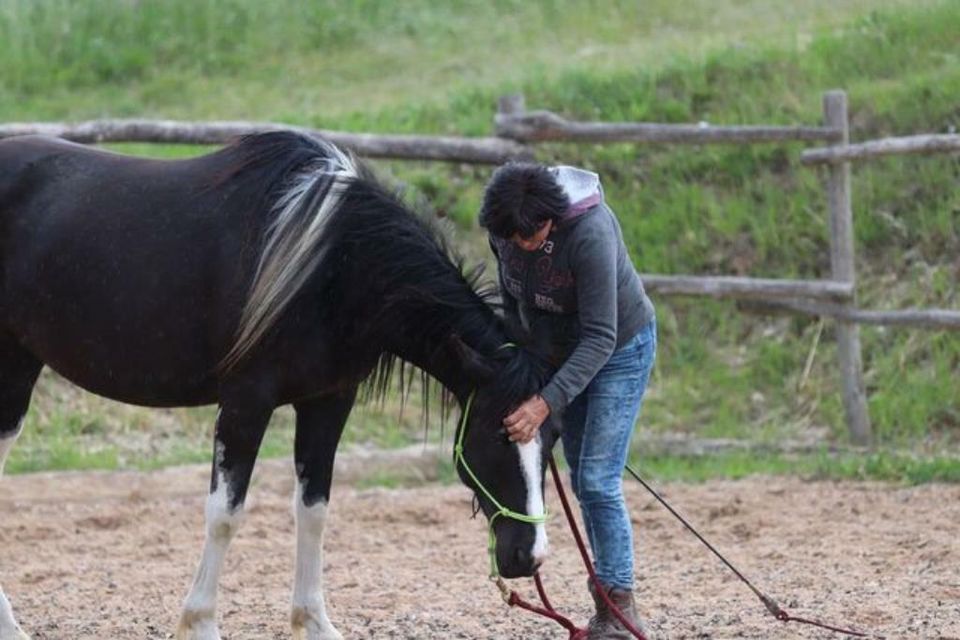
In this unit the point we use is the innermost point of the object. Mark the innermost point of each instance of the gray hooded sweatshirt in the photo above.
(578, 296)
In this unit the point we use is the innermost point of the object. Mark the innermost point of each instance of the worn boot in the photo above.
(604, 625)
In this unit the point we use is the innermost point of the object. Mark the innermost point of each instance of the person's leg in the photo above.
(613, 402)
(571, 435)
(574, 420)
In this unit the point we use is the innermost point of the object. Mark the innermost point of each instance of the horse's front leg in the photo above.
(18, 372)
(240, 427)
(319, 425)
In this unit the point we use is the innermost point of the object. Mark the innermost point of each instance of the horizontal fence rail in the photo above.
(405, 147)
(746, 288)
(545, 126)
(938, 319)
(909, 145)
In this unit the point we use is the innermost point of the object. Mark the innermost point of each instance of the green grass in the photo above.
(419, 67)
(316, 61)
(885, 466)
(67, 428)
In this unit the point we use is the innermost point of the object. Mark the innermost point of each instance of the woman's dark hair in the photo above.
(520, 197)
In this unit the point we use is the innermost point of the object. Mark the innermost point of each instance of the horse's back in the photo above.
(110, 262)
(18, 156)
(44, 168)
(60, 199)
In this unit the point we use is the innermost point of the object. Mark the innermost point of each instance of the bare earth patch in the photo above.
(110, 555)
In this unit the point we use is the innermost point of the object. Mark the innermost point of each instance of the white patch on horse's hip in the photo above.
(6, 444)
(530, 457)
(308, 616)
(198, 620)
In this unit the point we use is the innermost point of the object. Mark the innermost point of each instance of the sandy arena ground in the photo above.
(110, 555)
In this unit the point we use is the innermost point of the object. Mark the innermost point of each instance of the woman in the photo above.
(566, 279)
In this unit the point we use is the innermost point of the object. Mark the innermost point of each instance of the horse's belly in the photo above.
(131, 358)
(147, 391)
(131, 379)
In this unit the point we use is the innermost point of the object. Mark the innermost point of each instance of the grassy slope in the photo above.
(704, 210)
(325, 60)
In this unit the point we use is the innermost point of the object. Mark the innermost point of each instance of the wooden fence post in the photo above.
(508, 106)
(512, 104)
(842, 266)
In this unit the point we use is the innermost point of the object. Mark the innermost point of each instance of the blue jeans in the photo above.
(597, 427)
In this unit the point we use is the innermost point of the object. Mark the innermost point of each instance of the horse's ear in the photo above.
(477, 366)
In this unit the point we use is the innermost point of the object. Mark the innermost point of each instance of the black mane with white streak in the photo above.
(376, 252)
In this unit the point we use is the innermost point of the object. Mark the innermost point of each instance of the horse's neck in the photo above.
(409, 299)
(420, 329)
(433, 352)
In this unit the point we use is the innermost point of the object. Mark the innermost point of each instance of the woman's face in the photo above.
(534, 242)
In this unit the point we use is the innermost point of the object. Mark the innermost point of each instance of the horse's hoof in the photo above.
(307, 625)
(197, 626)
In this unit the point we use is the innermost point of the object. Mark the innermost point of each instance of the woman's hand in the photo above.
(523, 423)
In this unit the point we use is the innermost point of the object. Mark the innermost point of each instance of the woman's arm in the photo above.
(594, 265)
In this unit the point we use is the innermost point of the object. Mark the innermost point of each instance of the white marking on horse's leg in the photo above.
(530, 457)
(9, 629)
(6, 444)
(308, 617)
(199, 618)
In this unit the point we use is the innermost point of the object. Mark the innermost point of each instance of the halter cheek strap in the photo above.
(500, 509)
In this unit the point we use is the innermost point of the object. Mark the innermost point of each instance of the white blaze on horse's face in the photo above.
(530, 461)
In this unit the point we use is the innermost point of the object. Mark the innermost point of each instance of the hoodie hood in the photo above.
(582, 188)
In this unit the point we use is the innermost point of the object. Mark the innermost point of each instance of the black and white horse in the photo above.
(274, 271)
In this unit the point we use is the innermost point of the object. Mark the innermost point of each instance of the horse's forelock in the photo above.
(521, 375)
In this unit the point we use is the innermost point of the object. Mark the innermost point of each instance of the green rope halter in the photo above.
(501, 510)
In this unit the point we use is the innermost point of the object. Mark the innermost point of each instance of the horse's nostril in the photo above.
(523, 558)
(527, 563)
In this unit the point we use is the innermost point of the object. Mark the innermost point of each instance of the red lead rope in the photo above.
(578, 633)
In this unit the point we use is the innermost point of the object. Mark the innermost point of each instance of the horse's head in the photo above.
(506, 477)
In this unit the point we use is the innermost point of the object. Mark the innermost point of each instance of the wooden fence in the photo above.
(404, 147)
(517, 130)
(835, 297)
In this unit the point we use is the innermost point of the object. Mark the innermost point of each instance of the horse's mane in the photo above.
(306, 178)
(415, 266)
(309, 182)
(322, 205)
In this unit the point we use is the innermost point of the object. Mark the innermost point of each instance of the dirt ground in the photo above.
(110, 555)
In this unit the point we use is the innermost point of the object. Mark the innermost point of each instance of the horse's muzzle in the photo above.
(520, 564)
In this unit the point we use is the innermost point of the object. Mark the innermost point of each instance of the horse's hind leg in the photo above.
(18, 373)
(319, 425)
